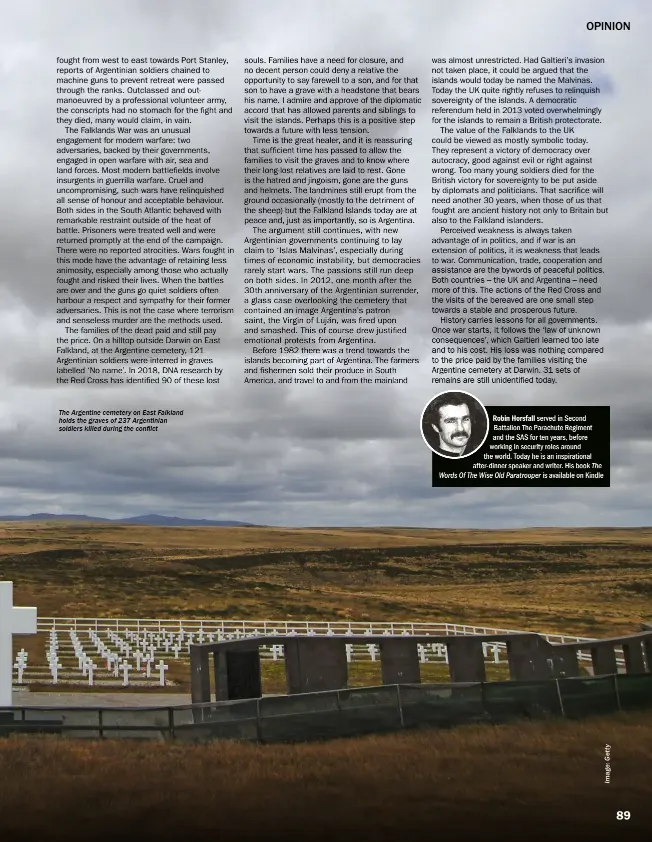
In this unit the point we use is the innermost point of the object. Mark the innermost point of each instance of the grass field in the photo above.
(473, 782)
(589, 582)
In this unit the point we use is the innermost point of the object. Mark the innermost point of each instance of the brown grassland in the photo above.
(475, 782)
(589, 582)
(514, 779)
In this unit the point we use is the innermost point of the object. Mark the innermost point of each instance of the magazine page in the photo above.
(325, 418)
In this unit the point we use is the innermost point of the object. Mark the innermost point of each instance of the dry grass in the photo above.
(583, 581)
(521, 778)
(474, 782)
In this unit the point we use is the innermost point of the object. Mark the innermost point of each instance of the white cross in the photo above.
(161, 671)
(12, 621)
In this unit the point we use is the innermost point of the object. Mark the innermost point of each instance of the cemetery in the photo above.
(223, 660)
(117, 654)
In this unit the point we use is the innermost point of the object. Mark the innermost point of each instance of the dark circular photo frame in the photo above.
(439, 433)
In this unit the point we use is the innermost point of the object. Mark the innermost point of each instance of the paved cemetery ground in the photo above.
(588, 582)
(65, 698)
(529, 779)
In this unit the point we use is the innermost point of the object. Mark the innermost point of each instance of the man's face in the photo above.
(454, 426)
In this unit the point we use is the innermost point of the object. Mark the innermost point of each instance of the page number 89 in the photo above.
(623, 815)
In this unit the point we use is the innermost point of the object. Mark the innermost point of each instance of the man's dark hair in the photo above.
(431, 415)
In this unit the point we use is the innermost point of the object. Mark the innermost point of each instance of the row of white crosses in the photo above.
(169, 640)
(147, 645)
(52, 655)
(21, 664)
(112, 660)
(439, 650)
(139, 647)
(148, 642)
(143, 654)
(84, 662)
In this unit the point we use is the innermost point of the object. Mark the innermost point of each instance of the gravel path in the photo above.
(29, 699)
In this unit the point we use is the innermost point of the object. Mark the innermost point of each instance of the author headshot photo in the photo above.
(454, 424)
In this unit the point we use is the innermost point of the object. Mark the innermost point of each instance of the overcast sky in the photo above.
(309, 455)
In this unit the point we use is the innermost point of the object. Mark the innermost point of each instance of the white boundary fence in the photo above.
(281, 627)
(244, 628)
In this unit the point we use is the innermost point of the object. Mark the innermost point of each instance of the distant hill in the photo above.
(164, 520)
(49, 516)
(140, 520)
